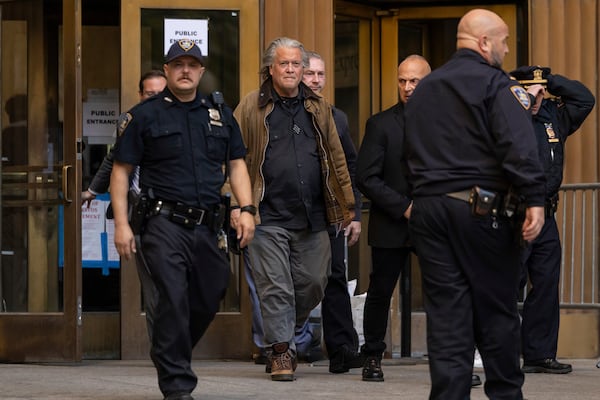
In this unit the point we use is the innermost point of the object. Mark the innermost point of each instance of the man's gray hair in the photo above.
(269, 55)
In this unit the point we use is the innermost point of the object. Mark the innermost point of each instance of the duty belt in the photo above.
(485, 202)
(181, 214)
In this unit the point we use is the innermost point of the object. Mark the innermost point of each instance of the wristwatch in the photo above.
(249, 209)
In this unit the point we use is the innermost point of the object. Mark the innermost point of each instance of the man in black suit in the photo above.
(380, 175)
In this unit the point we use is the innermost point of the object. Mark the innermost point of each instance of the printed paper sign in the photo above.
(193, 29)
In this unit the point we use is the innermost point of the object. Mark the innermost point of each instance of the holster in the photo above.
(483, 202)
(140, 204)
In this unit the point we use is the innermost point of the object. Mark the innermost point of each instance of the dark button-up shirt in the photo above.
(292, 171)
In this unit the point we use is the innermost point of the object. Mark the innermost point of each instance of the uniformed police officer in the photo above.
(554, 120)
(468, 140)
(181, 141)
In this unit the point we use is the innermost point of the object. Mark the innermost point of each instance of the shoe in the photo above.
(283, 363)
(547, 365)
(179, 396)
(268, 363)
(372, 370)
(344, 359)
(475, 380)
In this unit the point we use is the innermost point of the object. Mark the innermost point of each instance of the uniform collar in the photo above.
(167, 97)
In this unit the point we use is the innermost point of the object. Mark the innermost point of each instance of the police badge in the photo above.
(215, 117)
(124, 120)
(550, 133)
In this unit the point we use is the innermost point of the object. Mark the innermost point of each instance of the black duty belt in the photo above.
(182, 214)
(487, 202)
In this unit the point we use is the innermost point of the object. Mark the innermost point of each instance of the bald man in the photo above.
(381, 176)
(472, 162)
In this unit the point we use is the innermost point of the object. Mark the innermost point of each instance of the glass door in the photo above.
(40, 289)
(227, 32)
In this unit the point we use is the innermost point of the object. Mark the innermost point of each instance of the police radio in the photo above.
(219, 100)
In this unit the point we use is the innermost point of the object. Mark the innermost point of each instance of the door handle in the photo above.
(65, 183)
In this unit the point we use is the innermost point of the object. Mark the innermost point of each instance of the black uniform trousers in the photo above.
(191, 275)
(387, 264)
(336, 309)
(541, 312)
(469, 266)
(149, 294)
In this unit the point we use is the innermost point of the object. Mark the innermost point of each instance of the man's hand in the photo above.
(87, 197)
(352, 232)
(244, 227)
(348, 220)
(534, 221)
(234, 217)
(124, 241)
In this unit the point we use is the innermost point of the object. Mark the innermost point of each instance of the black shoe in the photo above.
(547, 365)
(343, 359)
(372, 370)
(179, 396)
(475, 380)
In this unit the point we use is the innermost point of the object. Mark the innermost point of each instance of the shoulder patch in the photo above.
(124, 120)
(521, 95)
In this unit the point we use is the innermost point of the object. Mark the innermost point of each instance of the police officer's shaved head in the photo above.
(484, 32)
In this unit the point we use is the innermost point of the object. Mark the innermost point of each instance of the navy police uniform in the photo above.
(556, 120)
(467, 124)
(181, 149)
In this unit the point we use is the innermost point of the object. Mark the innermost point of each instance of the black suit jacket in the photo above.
(381, 176)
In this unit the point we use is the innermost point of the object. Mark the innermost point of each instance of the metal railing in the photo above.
(577, 220)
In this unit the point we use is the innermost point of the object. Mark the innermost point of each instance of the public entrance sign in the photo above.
(193, 29)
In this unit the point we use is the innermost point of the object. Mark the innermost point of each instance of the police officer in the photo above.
(181, 141)
(468, 140)
(554, 120)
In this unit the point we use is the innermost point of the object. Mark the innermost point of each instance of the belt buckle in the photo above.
(201, 217)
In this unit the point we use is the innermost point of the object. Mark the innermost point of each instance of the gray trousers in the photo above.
(290, 270)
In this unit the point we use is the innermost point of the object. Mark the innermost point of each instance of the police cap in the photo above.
(531, 75)
(184, 47)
